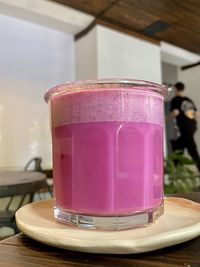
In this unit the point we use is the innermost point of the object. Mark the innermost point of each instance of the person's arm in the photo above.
(174, 113)
(174, 109)
(192, 113)
(196, 113)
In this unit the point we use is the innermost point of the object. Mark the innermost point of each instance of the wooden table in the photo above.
(20, 251)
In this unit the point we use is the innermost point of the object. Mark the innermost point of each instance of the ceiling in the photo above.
(173, 21)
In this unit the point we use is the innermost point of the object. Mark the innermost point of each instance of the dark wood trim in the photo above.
(85, 31)
(127, 31)
(117, 28)
(134, 17)
(190, 66)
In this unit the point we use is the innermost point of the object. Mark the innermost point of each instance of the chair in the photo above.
(37, 162)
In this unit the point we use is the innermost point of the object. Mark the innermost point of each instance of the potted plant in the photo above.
(179, 176)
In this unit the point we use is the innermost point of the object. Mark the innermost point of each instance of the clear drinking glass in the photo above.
(107, 138)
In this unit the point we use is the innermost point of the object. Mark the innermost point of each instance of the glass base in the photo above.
(108, 222)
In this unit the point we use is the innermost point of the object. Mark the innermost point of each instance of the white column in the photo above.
(86, 56)
(104, 52)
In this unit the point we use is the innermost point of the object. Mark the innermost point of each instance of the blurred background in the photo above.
(45, 43)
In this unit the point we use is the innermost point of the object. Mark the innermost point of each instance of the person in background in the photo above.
(184, 111)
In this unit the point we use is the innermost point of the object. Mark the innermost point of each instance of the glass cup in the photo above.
(107, 138)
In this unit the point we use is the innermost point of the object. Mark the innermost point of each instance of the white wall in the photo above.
(86, 56)
(122, 55)
(191, 79)
(169, 73)
(33, 59)
(117, 55)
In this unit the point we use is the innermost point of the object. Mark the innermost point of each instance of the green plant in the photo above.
(179, 177)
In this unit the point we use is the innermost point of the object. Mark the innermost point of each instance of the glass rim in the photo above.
(78, 86)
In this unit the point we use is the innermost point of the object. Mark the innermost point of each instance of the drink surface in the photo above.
(107, 151)
(107, 105)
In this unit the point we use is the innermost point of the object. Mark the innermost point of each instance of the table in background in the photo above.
(23, 184)
(20, 182)
(22, 251)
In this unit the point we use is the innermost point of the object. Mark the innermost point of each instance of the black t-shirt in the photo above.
(186, 118)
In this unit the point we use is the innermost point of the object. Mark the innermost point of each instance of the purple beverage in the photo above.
(107, 153)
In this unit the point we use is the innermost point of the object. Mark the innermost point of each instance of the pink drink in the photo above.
(113, 175)
(107, 154)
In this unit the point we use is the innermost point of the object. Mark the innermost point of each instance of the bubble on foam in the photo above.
(107, 105)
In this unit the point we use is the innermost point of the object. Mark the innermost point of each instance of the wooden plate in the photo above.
(180, 222)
